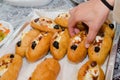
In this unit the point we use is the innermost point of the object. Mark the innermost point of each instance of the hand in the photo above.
(93, 13)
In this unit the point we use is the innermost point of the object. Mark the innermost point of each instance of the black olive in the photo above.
(36, 20)
(74, 47)
(19, 43)
(111, 26)
(56, 44)
(12, 56)
(33, 45)
(97, 49)
(56, 27)
(93, 63)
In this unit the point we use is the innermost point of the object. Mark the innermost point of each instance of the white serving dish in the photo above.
(68, 70)
(8, 26)
(28, 3)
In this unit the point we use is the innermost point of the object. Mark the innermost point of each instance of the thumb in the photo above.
(90, 37)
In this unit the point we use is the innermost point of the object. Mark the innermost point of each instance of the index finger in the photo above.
(71, 25)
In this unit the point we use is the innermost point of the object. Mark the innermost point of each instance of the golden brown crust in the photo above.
(101, 55)
(42, 26)
(59, 52)
(28, 37)
(13, 67)
(46, 70)
(84, 69)
(108, 30)
(80, 52)
(41, 47)
(62, 19)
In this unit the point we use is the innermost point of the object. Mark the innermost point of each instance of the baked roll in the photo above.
(46, 70)
(76, 49)
(59, 44)
(99, 49)
(10, 65)
(62, 19)
(23, 44)
(109, 29)
(45, 24)
(91, 71)
(39, 46)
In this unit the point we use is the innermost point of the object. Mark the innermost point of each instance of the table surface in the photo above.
(17, 15)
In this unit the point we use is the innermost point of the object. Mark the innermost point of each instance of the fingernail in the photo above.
(87, 45)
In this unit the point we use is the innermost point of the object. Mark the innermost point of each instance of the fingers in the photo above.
(73, 10)
(76, 30)
(72, 22)
(71, 25)
(90, 37)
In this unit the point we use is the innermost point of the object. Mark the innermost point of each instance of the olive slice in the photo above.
(93, 63)
(96, 49)
(33, 45)
(56, 27)
(19, 43)
(73, 47)
(56, 44)
(36, 20)
(111, 26)
(12, 56)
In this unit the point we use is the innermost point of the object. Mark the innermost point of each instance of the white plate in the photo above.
(8, 26)
(28, 3)
(68, 70)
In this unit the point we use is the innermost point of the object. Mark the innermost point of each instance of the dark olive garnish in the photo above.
(56, 27)
(36, 20)
(33, 45)
(74, 47)
(97, 49)
(111, 26)
(12, 56)
(93, 63)
(19, 43)
(56, 44)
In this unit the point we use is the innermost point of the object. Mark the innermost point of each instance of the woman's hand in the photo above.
(93, 13)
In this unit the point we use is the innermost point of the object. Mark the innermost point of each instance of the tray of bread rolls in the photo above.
(43, 50)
